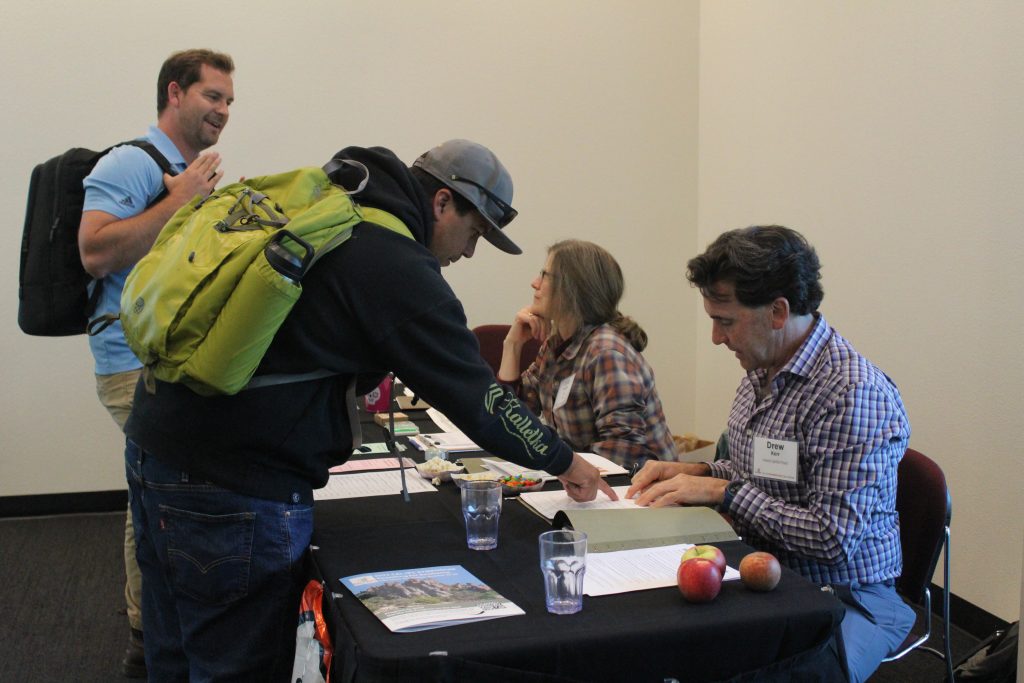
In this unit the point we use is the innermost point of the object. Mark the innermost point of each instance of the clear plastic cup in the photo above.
(481, 508)
(563, 561)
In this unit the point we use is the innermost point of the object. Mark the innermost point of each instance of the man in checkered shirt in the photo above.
(816, 434)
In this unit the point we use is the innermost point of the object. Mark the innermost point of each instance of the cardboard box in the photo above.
(383, 418)
(704, 452)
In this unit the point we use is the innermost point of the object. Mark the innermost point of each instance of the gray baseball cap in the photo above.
(475, 173)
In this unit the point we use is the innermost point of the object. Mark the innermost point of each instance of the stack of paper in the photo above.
(549, 503)
(635, 570)
(363, 484)
(374, 464)
(603, 464)
(622, 524)
(451, 442)
(630, 547)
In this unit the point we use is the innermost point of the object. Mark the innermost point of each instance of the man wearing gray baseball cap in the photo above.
(374, 304)
(472, 171)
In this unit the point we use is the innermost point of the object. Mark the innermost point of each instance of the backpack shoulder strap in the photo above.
(97, 325)
(148, 147)
(370, 215)
(385, 220)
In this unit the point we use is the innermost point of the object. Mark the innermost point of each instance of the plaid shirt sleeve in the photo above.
(619, 402)
(529, 382)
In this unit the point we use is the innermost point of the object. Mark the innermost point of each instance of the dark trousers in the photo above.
(222, 576)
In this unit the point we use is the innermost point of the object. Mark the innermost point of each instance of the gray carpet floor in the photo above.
(61, 589)
(62, 605)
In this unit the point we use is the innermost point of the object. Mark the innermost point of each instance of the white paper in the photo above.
(511, 469)
(623, 571)
(603, 464)
(386, 483)
(374, 464)
(441, 420)
(375, 447)
(452, 442)
(548, 503)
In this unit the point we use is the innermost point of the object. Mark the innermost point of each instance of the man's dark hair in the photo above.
(431, 185)
(763, 263)
(184, 69)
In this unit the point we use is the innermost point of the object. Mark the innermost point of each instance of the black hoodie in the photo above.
(377, 303)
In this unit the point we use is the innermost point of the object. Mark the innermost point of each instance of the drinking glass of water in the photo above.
(481, 508)
(563, 561)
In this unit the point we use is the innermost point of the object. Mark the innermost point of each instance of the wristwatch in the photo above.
(730, 492)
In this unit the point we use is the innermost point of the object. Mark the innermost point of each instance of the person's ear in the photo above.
(442, 199)
(175, 93)
(780, 312)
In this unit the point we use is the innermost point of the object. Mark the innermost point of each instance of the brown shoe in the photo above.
(134, 663)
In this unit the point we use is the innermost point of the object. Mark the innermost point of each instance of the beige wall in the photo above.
(592, 106)
(888, 132)
(891, 135)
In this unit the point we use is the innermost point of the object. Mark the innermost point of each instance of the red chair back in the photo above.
(925, 509)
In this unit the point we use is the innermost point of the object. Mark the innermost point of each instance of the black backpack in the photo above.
(53, 299)
(994, 660)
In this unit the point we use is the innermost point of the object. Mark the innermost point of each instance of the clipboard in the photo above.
(609, 530)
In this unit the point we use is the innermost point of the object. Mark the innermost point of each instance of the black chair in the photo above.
(925, 509)
(491, 338)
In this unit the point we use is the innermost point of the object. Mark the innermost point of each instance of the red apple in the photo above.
(708, 552)
(760, 571)
(699, 579)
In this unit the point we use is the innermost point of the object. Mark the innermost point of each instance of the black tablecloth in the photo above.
(650, 635)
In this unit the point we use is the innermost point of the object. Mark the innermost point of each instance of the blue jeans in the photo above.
(222, 575)
(876, 623)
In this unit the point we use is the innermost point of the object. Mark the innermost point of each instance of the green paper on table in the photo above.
(406, 428)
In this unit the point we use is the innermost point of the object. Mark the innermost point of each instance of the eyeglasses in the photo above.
(545, 273)
(507, 212)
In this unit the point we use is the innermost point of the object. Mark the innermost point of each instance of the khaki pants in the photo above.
(116, 393)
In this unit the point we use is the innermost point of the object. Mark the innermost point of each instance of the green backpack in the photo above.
(202, 307)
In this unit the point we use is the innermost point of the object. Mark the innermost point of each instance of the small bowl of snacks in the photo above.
(475, 476)
(514, 485)
(439, 469)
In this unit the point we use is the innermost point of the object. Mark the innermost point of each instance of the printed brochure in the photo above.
(409, 600)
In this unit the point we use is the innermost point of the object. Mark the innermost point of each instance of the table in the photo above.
(649, 635)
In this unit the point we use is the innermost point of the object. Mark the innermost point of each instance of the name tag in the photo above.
(563, 391)
(775, 459)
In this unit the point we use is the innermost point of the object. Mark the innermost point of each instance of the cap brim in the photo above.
(499, 239)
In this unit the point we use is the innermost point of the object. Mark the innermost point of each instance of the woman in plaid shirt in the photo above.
(590, 381)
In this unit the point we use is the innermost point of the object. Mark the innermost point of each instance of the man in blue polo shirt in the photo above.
(816, 434)
(128, 199)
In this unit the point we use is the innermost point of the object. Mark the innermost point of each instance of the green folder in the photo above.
(609, 530)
